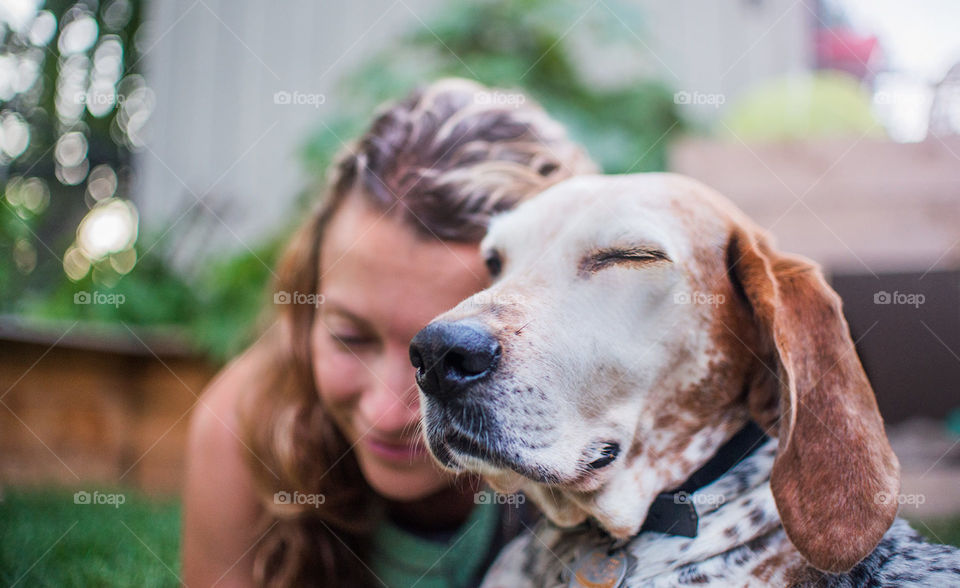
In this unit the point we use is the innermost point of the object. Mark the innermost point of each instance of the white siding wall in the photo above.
(725, 47)
(215, 66)
(216, 132)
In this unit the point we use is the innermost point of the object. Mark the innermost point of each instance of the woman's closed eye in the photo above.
(347, 330)
(352, 339)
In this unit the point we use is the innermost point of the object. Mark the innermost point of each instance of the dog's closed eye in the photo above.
(603, 258)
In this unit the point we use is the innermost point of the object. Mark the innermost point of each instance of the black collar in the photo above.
(672, 512)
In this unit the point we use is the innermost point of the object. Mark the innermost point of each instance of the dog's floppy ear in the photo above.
(835, 479)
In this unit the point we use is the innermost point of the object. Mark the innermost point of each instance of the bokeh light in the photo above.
(70, 154)
(14, 134)
(79, 34)
(110, 227)
(43, 28)
(116, 14)
(27, 195)
(24, 256)
(18, 14)
(75, 264)
(135, 111)
(71, 149)
(72, 88)
(124, 261)
(102, 183)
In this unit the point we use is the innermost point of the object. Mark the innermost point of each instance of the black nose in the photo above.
(450, 356)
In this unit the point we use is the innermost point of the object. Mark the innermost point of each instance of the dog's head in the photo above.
(634, 324)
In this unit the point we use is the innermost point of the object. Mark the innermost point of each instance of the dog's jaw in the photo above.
(557, 506)
(620, 505)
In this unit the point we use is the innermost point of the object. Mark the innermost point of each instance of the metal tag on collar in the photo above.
(599, 568)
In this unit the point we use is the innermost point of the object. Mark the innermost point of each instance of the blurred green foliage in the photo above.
(217, 310)
(532, 46)
(944, 530)
(625, 124)
(800, 106)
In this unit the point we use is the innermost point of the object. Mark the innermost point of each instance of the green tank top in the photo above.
(401, 559)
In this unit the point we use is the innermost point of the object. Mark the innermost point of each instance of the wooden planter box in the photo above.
(87, 405)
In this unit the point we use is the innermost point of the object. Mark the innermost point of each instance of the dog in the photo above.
(681, 400)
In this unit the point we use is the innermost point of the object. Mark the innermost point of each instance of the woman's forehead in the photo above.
(373, 263)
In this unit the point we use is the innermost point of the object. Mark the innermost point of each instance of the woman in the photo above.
(306, 466)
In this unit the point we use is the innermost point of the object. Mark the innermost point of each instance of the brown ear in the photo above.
(835, 479)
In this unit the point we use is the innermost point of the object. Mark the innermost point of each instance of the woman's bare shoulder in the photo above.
(221, 508)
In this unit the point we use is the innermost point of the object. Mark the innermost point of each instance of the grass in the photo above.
(940, 531)
(47, 539)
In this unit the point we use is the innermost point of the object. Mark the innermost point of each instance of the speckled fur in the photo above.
(740, 543)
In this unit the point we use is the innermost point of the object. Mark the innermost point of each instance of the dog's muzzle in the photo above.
(475, 412)
(452, 360)
(452, 356)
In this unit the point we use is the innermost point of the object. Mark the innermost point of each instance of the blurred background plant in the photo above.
(74, 106)
(624, 123)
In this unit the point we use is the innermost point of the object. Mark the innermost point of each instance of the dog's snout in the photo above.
(449, 356)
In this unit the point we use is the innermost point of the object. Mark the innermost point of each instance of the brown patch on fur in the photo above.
(804, 575)
(765, 570)
(667, 420)
(727, 322)
(715, 399)
(635, 449)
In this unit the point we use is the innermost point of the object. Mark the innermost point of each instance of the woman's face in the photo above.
(381, 283)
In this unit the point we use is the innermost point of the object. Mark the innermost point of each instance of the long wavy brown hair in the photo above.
(444, 159)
